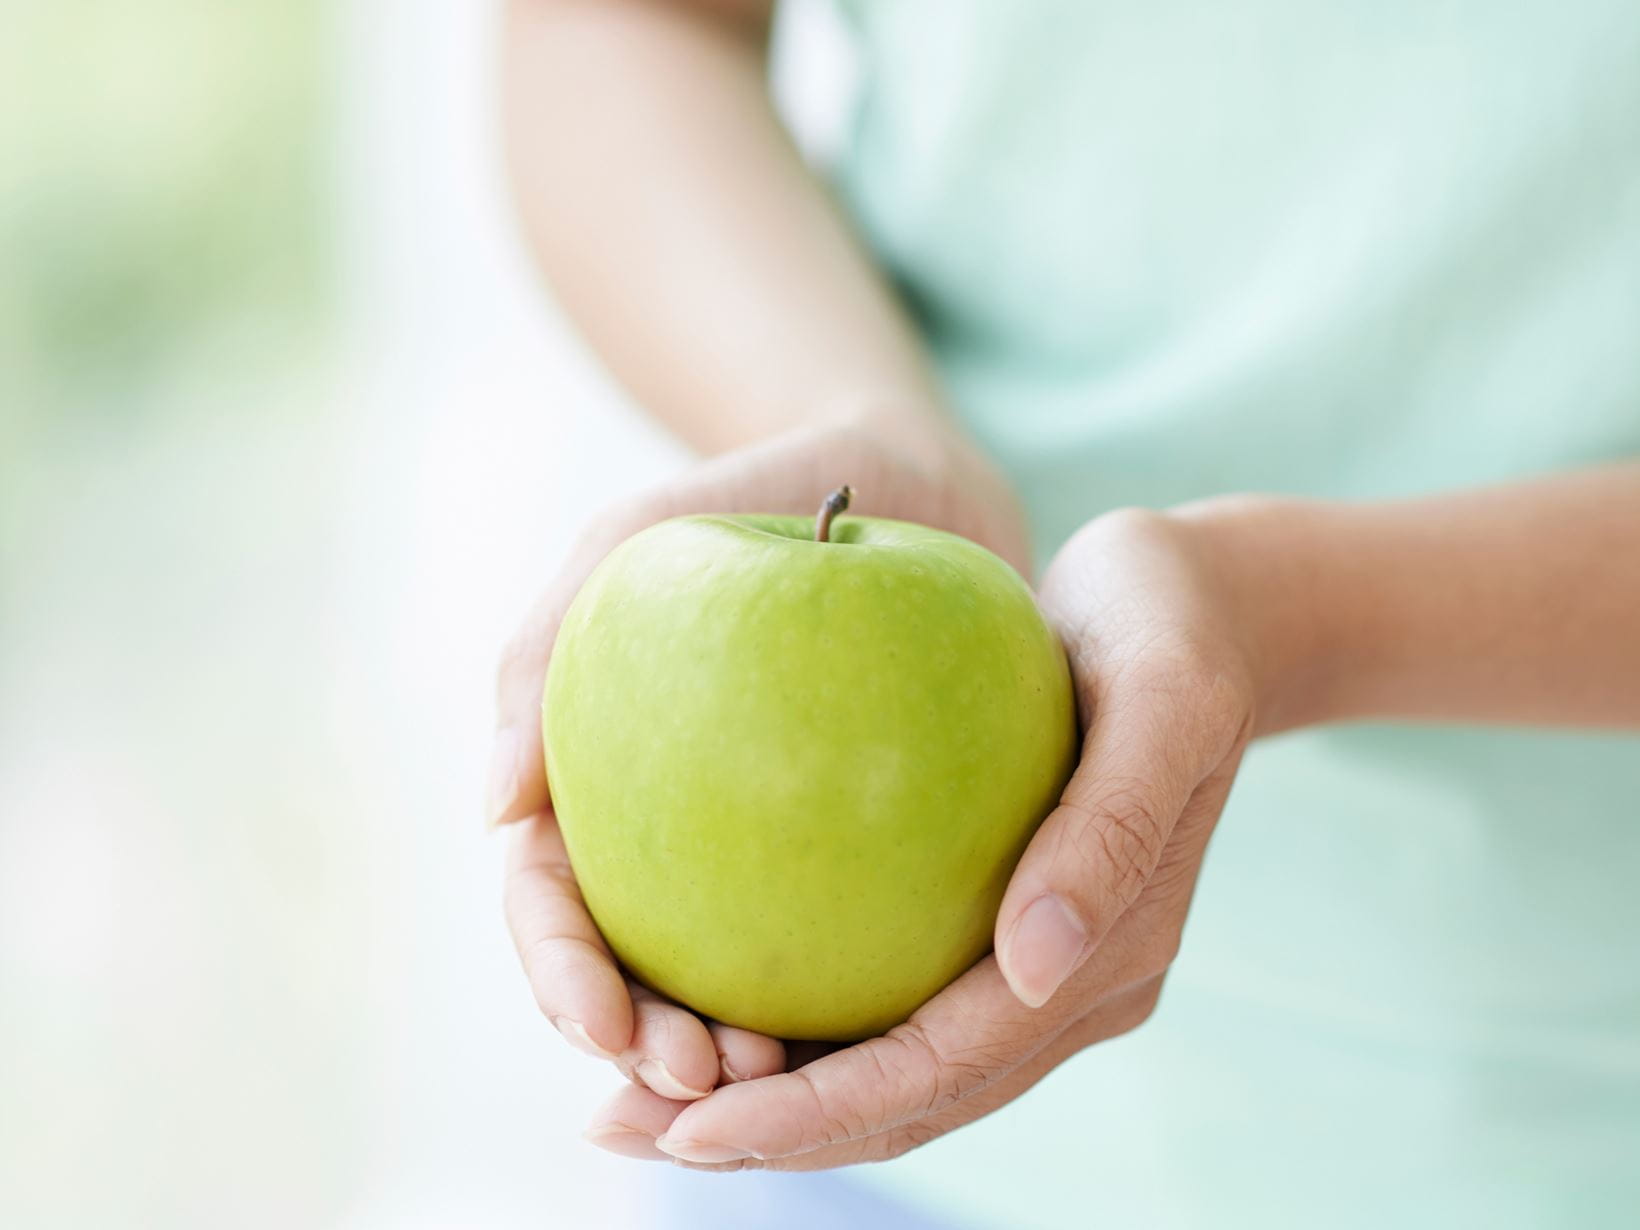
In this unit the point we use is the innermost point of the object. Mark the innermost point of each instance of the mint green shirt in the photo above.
(1357, 249)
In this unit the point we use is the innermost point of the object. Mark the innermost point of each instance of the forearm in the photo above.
(681, 230)
(1516, 604)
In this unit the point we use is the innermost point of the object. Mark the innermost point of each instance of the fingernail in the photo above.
(1046, 945)
(576, 1035)
(628, 1142)
(723, 1062)
(700, 1151)
(503, 788)
(659, 1077)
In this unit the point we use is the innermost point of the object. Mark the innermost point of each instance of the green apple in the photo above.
(795, 771)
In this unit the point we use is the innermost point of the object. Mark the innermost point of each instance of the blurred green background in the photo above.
(162, 172)
(167, 313)
(289, 438)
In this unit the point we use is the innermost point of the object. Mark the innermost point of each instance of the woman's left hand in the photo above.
(1172, 663)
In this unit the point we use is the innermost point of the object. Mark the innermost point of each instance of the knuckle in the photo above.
(838, 1123)
(561, 877)
(1132, 826)
(534, 917)
(907, 1078)
(955, 1074)
(1122, 831)
(549, 959)
(525, 883)
(658, 1032)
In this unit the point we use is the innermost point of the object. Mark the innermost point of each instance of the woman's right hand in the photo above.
(914, 467)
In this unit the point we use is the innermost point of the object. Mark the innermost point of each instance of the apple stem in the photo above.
(834, 503)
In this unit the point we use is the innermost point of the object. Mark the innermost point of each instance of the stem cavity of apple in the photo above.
(836, 502)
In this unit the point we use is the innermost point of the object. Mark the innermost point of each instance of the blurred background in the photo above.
(289, 437)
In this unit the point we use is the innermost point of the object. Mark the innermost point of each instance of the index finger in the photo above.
(570, 970)
(970, 1035)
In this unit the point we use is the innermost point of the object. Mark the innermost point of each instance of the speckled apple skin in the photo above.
(794, 777)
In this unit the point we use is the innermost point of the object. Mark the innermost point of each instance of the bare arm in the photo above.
(1518, 603)
(682, 232)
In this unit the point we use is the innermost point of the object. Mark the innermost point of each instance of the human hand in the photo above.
(1173, 661)
(911, 467)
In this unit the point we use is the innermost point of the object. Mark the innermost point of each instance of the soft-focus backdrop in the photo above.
(289, 436)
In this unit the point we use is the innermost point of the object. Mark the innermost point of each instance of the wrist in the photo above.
(1272, 563)
(913, 425)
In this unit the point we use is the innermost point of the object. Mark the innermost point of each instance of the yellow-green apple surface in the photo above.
(795, 767)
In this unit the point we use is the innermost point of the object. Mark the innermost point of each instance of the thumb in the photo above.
(1147, 749)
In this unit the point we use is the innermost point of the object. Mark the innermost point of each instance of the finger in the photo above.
(1118, 1015)
(518, 773)
(631, 1120)
(571, 972)
(744, 1055)
(1151, 741)
(970, 1034)
(671, 1051)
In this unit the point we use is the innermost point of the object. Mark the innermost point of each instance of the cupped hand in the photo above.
(1169, 671)
(912, 467)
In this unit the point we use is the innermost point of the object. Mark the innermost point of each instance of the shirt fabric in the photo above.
(1353, 250)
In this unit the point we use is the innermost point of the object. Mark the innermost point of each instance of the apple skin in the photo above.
(793, 776)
